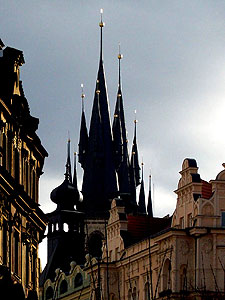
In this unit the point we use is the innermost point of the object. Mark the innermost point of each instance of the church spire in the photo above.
(149, 207)
(75, 171)
(134, 167)
(120, 139)
(68, 174)
(141, 203)
(99, 181)
(83, 142)
(134, 155)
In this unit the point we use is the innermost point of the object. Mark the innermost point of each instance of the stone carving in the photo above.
(184, 247)
(207, 246)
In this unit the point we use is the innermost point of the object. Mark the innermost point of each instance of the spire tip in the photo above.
(101, 24)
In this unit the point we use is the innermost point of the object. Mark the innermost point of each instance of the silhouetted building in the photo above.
(22, 223)
(108, 172)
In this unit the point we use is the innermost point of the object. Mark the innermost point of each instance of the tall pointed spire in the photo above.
(149, 207)
(83, 142)
(141, 203)
(68, 174)
(75, 171)
(134, 156)
(120, 140)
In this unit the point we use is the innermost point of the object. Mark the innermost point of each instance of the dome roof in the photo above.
(65, 195)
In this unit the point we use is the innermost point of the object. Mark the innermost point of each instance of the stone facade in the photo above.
(22, 223)
(184, 261)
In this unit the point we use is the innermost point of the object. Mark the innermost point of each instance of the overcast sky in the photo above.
(173, 74)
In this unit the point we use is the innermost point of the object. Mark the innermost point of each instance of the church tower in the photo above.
(108, 173)
(66, 226)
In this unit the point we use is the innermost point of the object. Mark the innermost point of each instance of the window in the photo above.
(17, 166)
(189, 220)
(183, 278)
(49, 293)
(223, 218)
(34, 185)
(182, 222)
(166, 284)
(5, 243)
(78, 280)
(63, 287)
(27, 265)
(34, 267)
(129, 294)
(16, 252)
(134, 294)
(9, 156)
(95, 244)
(147, 291)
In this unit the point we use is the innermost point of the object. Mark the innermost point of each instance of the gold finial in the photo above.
(98, 91)
(120, 56)
(82, 91)
(135, 120)
(101, 24)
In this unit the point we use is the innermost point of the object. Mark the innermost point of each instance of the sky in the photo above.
(173, 75)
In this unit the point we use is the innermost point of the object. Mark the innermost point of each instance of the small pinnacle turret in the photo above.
(134, 156)
(149, 207)
(141, 203)
(83, 141)
(68, 174)
(66, 195)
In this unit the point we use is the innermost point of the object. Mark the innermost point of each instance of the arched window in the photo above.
(183, 278)
(17, 166)
(134, 294)
(49, 293)
(95, 244)
(78, 280)
(166, 275)
(111, 296)
(63, 287)
(129, 294)
(147, 291)
(65, 227)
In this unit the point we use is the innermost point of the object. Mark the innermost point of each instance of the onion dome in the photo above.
(66, 195)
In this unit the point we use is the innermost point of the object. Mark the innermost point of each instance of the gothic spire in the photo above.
(141, 203)
(75, 171)
(83, 142)
(149, 207)
(99, 182)
(68, 174)
(134, 156)
(120, 139)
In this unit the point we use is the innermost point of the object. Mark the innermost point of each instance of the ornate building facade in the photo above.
(22, 223)
(179, 258)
